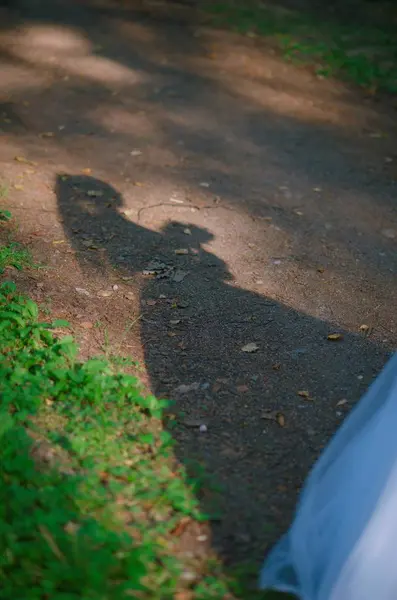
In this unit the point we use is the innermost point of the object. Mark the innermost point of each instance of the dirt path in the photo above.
(192, 194)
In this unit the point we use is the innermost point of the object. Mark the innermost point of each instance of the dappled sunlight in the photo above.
(216, 128)
(117, 119)
(49, 41)
(260, 76)
(68, 50)
(101, 69)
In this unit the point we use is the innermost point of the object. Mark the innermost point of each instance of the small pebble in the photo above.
(82, 291)
(203, 428)
(104, 294)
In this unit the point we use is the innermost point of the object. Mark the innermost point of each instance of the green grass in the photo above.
(363, 54)
(93, 518)
(90, 492)
(14, 255)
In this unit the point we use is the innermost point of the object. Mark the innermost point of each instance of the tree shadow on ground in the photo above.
(260, 435)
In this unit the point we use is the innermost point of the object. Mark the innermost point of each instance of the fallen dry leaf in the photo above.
(341, 402)
(22, 159)
(139, 184)
(364, 328)
(130, 295)
(276, 366)
(187, 231)
(87, 325)
(251, 347)
(179, 276)
(151, 302)
(104, 294)
(19, 187)
(335, 337)
(304, 394)
(183, 523)
(182, 251)
(274, 415)
(46, 134)
(242, 388)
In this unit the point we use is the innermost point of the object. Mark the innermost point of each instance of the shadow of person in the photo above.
(257, 386)
(90, 210)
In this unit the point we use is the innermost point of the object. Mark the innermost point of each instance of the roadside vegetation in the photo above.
(362, 51)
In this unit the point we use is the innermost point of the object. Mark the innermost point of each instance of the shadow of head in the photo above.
(86, 194)
(191, 240)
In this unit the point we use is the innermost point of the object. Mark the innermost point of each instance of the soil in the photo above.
(215, 213)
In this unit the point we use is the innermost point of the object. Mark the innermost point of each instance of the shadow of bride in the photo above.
(257, 386)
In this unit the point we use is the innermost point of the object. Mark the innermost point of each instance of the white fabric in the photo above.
(342, 544)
